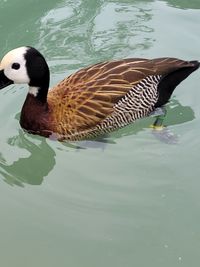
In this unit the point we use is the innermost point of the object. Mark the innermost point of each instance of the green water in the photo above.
(130, 201)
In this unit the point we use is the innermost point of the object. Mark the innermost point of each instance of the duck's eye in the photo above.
(15, 66)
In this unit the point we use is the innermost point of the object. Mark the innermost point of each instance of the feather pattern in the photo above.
(107, 96)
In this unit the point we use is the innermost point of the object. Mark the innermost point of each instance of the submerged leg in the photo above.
(159, 130)
(160, 114)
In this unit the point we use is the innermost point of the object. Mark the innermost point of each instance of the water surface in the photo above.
(130, 200)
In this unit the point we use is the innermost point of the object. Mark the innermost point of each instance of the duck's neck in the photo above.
(38, 71)
(35, 109)
(35, 112)
(40, 92)
(33, 100)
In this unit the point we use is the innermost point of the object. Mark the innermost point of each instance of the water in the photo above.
(130, 201)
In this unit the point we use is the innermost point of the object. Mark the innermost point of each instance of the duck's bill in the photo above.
(4, 81)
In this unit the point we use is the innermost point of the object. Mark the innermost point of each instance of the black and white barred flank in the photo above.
(136, 104)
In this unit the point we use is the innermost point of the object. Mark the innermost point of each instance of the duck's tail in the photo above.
(169, 82)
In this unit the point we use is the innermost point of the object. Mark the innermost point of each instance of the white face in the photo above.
(14, 65)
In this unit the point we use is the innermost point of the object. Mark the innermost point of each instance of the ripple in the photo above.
(83, 35)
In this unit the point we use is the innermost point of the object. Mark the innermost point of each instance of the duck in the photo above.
(95, 100)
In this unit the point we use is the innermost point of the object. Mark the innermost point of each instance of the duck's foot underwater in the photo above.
(160, 131)
(166, 136)
(160, 114)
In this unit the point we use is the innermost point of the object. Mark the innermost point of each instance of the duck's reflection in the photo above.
(30, 170)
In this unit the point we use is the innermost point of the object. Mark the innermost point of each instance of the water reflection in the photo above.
(184, 4)
(12, 21)
(127, 30)
(78, 34)
(32, 169)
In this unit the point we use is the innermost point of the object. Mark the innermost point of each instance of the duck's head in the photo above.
(25, 65)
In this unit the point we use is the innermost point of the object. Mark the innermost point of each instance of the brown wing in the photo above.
(85, 98)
